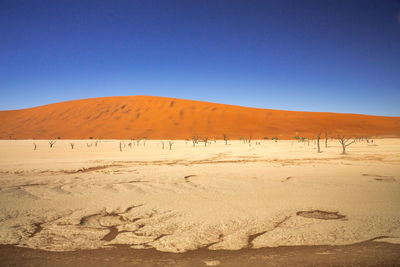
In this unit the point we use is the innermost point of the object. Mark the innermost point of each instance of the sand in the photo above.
(367, 253)
(216, 197)
(170, 118)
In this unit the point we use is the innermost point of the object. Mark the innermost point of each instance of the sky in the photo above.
(330, 56)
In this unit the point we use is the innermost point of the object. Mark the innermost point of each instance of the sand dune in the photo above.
(169, 118)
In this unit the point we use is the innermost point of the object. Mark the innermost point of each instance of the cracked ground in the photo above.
(219, 197)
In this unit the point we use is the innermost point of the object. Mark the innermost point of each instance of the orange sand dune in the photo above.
(169, 118)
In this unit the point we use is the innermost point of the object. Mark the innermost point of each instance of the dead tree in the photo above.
(318, 137)
(345, 142)
(89, 144)
(162, 144)
(120, 146)
(72, 145)
(34, 146)
(226, 139)
(326, 139)
(194, 140)
(51, 143)
(170, 144)
(205, 140)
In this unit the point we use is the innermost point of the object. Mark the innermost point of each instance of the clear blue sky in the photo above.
(330, 55)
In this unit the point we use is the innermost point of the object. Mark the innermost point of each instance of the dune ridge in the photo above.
(170, 118)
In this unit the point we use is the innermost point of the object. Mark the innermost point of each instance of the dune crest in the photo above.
(169, 118)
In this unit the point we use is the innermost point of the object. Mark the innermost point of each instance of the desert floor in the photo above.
(219, 197)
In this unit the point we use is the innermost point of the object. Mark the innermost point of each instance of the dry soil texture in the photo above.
(215, 197)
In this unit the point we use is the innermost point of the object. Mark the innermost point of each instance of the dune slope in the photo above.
(169, 118)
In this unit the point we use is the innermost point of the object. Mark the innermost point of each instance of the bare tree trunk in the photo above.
(34, 146)
(170, 145)
(51, 143)
(194, 140)
(205, 141)
(345, 143)
(318, 137)
(326, 139)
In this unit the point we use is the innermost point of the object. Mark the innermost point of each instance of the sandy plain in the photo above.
(216, 197)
